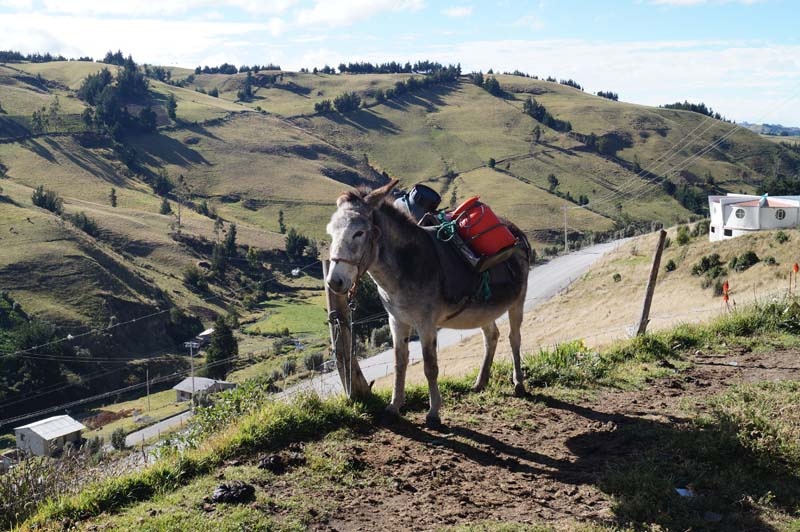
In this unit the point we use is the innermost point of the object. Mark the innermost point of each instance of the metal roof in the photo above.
(54, 427)
(207, 332)
(200, 384)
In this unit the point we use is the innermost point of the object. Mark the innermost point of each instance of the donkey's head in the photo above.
(354, 235)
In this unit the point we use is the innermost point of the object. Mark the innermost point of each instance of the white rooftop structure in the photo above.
(185, 390)
(200, 384)
(54, 427)
(740, 214)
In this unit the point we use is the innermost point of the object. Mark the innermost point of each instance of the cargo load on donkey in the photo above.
(481, 238)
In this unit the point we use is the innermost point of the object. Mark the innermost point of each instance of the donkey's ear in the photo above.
(374, 198)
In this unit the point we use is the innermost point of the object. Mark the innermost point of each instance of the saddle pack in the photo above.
(472, 244)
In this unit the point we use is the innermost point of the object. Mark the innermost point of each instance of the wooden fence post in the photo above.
(651, 285)
(339, 320)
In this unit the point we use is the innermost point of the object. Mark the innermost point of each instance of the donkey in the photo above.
(370, 235)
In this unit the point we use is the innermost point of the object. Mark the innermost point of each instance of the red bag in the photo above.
(480, 228)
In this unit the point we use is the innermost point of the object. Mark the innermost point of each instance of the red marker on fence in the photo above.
(725, 287)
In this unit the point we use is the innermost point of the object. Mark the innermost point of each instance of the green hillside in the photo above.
(266, 162)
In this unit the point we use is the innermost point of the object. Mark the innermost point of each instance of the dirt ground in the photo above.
(531, 460)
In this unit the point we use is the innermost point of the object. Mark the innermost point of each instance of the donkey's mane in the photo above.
(387, 208)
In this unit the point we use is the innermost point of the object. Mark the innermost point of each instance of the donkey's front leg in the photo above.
(400, 337)
(429, 357)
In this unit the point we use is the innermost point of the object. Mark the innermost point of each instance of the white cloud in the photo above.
(17, 5)
(531, 22)
(334, 13)
(457, 11)
(150, 8)
(682, 3)
(742, 80)
(167, 42)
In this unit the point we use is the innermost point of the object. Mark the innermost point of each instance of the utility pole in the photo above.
(566, 242)
(147, 377)
(192, 346)
(651, 285)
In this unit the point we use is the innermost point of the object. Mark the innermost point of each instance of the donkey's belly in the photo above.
(473, 317)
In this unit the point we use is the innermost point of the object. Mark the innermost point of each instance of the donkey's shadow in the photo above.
(639, 464)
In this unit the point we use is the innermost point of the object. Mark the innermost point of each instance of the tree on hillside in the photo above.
(147, 119)
(349, 101)
(296, 243)
(537, 134)
(161, 183)
(172, 106)
(492, 86)
(223, 347)
(112, 197)
(230, 241)
(165, 207)
(552, 182)
(47, 199)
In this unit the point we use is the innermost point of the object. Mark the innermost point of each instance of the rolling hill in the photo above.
(269, 161)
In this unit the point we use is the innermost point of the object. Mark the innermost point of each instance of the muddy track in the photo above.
(533, 460)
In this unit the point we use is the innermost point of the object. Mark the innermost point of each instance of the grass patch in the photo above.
(306, 317)
(269, 426)
(741, 461)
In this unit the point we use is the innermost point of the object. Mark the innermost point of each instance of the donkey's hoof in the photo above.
(519, 390)
(433, 421)
(477, 388)
(390, 416)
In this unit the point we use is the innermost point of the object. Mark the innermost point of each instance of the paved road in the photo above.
(136, 438)
(544, 282)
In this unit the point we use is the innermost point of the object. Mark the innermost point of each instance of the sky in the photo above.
(741, 57)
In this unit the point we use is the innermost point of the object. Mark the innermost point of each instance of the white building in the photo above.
(740, 214)
(185, 388)
(48, 436)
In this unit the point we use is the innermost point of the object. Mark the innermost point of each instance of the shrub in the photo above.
(670, 266)
(165, 208)
(781, 237)
(709, 263)
(617, 277)
(288, 367)
(118, 439)
(313, 361)
(47, 199)
(744, 261)
(770, 261)
(349, 101)
(683, 235)
(194, 278)
(380, 336)
(85, 224)
(700, 228)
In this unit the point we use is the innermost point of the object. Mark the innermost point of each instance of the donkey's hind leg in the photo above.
(514, 337)
(490, 336)
(400, 339)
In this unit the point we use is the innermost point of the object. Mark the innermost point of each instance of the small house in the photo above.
(186, 388)
(740, 214)
(48, 436)
(204, 337)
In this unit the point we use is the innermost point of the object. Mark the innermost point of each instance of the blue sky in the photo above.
(741, 57)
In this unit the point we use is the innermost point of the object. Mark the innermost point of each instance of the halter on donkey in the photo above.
(370, 235)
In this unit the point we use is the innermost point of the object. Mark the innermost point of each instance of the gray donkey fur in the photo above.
(370, 235)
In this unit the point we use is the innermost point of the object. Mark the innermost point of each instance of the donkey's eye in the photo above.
(358, 234)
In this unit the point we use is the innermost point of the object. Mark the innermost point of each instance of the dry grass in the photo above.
(600, 311)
